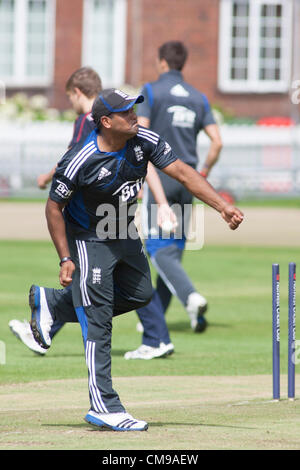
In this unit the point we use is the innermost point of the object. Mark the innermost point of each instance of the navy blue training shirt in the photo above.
(83, 126)
(177, 111)
(88, 180)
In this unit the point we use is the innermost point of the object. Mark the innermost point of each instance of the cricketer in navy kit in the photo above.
(87, 177)
(178, 112)
(105, 261)
(82, 87)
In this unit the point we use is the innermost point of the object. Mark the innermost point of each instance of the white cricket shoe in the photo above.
(139, 327)
(41, 318)
(196, 307)
(22, 330)
(169, 348)
(116, 421)
(148, 352)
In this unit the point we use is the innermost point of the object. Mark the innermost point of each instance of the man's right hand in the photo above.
(66, 271)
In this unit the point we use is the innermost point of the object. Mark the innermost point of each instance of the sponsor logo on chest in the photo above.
(129, 189)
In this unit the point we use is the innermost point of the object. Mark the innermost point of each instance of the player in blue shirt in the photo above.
(83, 86)
(89, 213)
(178, 112)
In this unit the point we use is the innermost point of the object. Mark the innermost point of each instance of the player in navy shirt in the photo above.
(82, 87)
(88, 177)
(178, 112)
(106, 263)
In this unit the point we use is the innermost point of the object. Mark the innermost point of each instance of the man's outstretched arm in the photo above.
(202, 190)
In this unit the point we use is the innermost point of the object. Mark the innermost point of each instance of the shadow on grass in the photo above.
(91, 427)
(121, 352)
(63, 355)
(184, 327)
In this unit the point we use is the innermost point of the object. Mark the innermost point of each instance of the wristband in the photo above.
(63, 260)
(202, 173)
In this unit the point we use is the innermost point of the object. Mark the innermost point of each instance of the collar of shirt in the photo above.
(172, 74)
(119, 154)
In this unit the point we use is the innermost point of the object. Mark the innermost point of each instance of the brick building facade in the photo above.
(242, 54)
(197, 23)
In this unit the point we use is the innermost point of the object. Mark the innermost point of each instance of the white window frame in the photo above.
(19, 78)
(119, 42)
(253, 84)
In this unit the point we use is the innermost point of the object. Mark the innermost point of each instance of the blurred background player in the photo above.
(82, 88)
(178, 112)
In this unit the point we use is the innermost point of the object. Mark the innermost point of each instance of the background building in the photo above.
(243, 54)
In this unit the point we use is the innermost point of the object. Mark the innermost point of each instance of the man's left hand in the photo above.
(233, 216)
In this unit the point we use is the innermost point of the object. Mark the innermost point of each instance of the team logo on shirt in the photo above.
(182, 116)
(96, 276)
(179, 90)
(103, 173)
(167, 148)
(138, 153)
(63, 191)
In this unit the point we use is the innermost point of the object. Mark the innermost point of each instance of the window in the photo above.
(7, 29)
(26, 42)
(255, 45)
(104, 39)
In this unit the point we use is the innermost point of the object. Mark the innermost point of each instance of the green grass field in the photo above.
(234, 358)
(291, 203)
